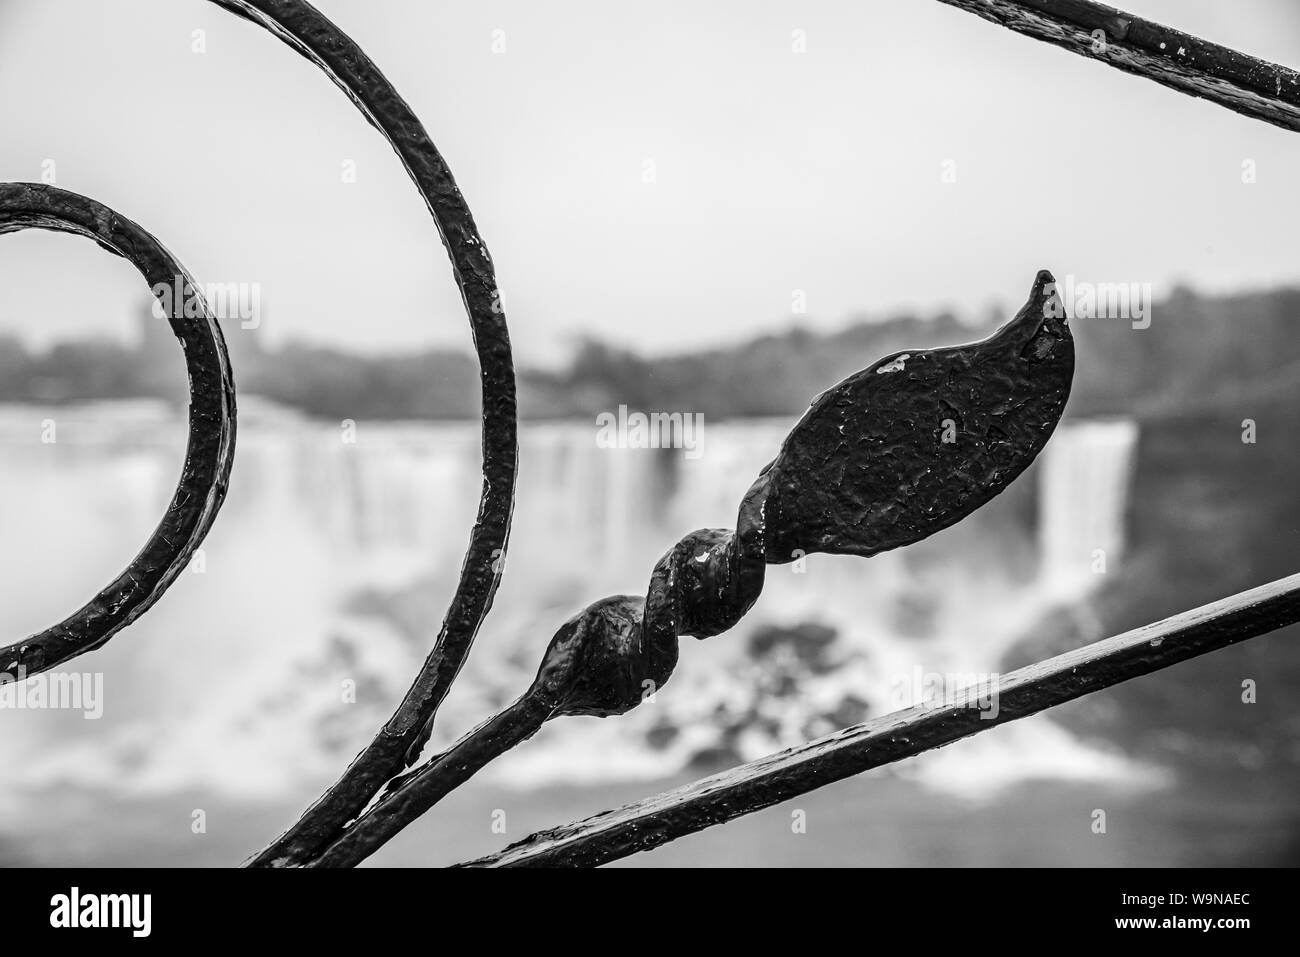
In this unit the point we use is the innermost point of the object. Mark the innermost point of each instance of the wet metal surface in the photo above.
(209, 452)
(908, 446)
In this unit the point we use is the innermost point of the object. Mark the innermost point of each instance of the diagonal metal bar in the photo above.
(751, 787)
(1245, 84)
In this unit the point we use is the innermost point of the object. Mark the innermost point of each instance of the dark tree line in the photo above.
(1197, 349)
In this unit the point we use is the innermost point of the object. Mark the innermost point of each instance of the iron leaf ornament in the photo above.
(918, 440)
(893, 454)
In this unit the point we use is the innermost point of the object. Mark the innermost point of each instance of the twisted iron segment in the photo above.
(309, 32)
(209, 453)
(892, 454)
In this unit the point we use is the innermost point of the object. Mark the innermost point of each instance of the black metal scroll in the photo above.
(307, 30)
(203, 484)
(208, 455)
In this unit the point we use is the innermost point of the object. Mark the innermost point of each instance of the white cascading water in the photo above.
(1083, 493)
(327, 572)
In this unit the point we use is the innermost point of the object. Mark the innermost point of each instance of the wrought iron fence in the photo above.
(862, 472)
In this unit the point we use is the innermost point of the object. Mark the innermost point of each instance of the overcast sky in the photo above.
(773, 171)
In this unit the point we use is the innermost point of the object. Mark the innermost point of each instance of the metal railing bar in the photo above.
(1242, 83)
(722, 797)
